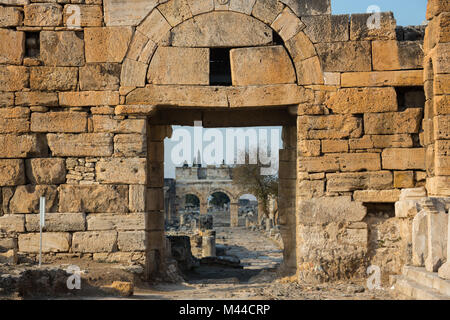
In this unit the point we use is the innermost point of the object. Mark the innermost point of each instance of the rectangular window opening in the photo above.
(220, 67)
(32, 46)
(410, 97)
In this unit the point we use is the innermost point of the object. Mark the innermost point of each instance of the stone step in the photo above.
(427, 279)
(407, 287)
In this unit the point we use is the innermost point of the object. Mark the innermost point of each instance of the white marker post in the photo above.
(41, 225)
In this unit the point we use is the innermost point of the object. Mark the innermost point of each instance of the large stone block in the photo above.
(332, 209)
(53, 78)
(12, 172)
(46, 170)
(287, 24)
(108, 44)
(12, 223)
(23, 146)
(235, 30)
(14, 78)
(403, 158)
(259, 66)
(327, 28)
(441, 127)
(171, 65)
(10, 17)
(101, 76)
(309, 71)
(130, 145)
(363, 100)
(89, 15)
(359, 162)
(6, 99)
(310, 189)
(340, 182)
(300, 47)
(309, 7)
(175, 12)
(12, 49)
(133, 73)
(93, 199)
(43, 15)
(127, 12)
(94, 241)
(438, 186)
(71, 122)
(51, 242)
(14, 120)
(401, 78)
(88, 98)
(26, 198)
(329, 126)
(61, 49)
(103, 123)
(407, 121)
(81, 145)
(122, 222)
(397, 55)
(360, 30)
(132, 241)
(377, 195)
(266, 95)
(57, 222)
(442, 158)
(345, 56)
(36, 98)
(122, 171)
(267, 10)
(137, 198)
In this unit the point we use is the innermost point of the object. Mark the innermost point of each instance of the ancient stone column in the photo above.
(437, 236)
(203, 208)
(234, 215)
(444, 271)
(209, 243)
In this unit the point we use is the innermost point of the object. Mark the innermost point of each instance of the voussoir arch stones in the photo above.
(187, 23)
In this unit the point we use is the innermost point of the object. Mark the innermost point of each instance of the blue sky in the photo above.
(406, 12)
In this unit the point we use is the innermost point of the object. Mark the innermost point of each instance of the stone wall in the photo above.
(80, 83)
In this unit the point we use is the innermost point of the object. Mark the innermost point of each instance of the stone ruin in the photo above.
(90, 88)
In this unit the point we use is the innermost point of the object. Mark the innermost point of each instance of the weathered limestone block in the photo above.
(127, 12)
(89, 15)
(137, 198)
(413, 194)
(94, 241)
(203, 6)
(12, 49)
(382, 78)
(437, 31)
(438, 186)
(57, 222)
(345, 56)
(327, 163)
(334, 146)
(12, 223)
(132, 241)
(266, 95)
(36, 98)
(329, 127)
(23, 146)
(440, 105)
(403, 158)
(441, 84)
(403, 179)
(6, 99)
(441, 126)
(377, 195)
(133, 73)
(171, 65)
(259, 66)
(309, 7)
(309, 71)
(72, 122)
(96, 199)
(102, 123)
(175, 11)
(267, 10)
(53, 78)
(155, 26)
(43, 15)
(326, 210)
(81, 145)
(13, 78)
(407, 208)
(51, 242)
(327, 28)
(311, 189)
(287, 24)
(46, 170)
(388, 141)
(407, 121)
(363, 100)
(26, 198)
(102, 76)
(100, 222)
(339, 182)
(359, 162)
(359, 29)
(107, 44)
(88, 98)
(14, 120)
(300, 47)
(308, 148)
(442, 157)
(235, 29)
(437, 232)
(121, 171)
(61, 49)
(397, 55)
(130, 145)
(12, 172)
(10, 17)
(8, 244)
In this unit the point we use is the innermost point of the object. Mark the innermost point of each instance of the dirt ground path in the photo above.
(260, 257)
